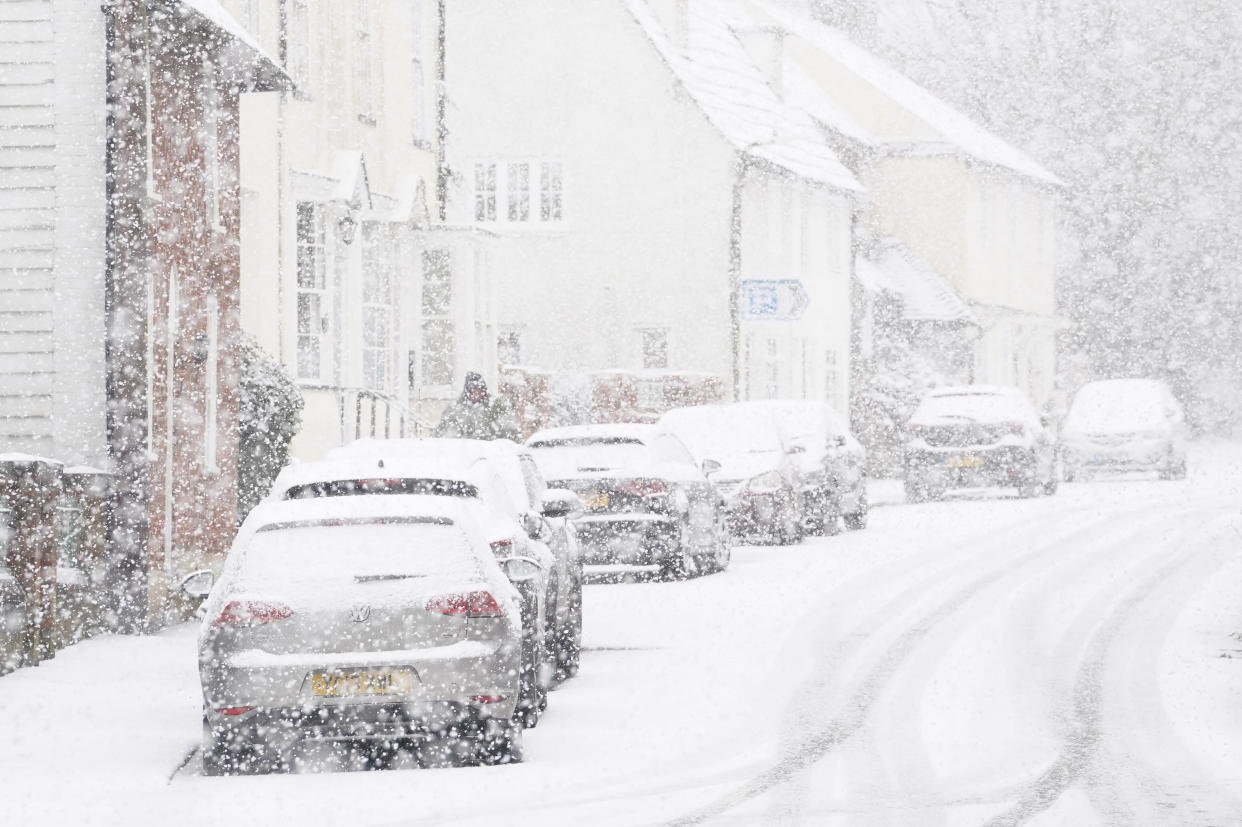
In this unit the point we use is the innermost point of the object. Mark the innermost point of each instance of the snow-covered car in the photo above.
(1124, 425)
(741, 451)
(973, 436)
(646, 501)
(525, 558)
(12, 618)
(541, 516)
(831, 462)
(376, 619)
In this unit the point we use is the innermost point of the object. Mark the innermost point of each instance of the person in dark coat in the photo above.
(476, 416)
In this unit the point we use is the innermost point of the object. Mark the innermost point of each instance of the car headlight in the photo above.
(770, 481)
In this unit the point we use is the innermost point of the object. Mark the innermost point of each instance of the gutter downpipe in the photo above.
(735, 271)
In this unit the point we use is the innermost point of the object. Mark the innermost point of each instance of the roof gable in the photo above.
(720, 77)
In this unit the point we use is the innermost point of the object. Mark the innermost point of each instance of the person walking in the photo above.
(475, 415)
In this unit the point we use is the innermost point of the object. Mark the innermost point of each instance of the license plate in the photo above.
(966, 462)
(600, 500)
(354, 684)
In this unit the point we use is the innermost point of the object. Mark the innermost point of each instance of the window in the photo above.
(550, 191)
(366, 91)
(377, 314)
(772, 369)
(151, 109)
(509, 348)
(513, 184)
(832, 377)
(655, 347)
(299, 54)
(438, 347)
(313, 295)
(212, 391)
(484, 192)
(519, 192)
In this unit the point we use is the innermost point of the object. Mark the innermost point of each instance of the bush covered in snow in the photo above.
(271, 413)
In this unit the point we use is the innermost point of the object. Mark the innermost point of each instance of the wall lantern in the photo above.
(347, 225)
(199, 348)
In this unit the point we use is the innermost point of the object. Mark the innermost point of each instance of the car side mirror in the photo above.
(520, 569)
(561, 502)
(534, 526)
(796, 449)
(710, 466)
(838, 441)
(198, 585)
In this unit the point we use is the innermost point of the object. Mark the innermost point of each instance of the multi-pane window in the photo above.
(212, 184)
(509, 348)
(519, 192)
(550, 191)
(655, 347)
(366, 91)
(313, 294)
(377, 318)
(438, 347)
(515, 185)
(484, 192)
(422, 131)
(299, 46)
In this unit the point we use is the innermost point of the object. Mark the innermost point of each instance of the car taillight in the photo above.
(470, 604)
(1015, 428)
(235, 710)
(643, 488)
(251, 612)
(500, 547)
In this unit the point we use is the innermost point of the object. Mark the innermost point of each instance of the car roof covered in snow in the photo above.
(459, 450)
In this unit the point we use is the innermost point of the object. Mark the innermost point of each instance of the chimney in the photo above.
(674, 17)
(766, 47)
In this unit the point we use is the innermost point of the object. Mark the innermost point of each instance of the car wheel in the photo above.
(1069, 473)
(1051, 486)
(915, 493)
(499, 742)
(532, 694)
(793, 529)
(1029, 490)
(858, 520)
(232, 753)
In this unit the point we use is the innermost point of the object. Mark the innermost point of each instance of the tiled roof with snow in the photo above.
(719, 75)
(953, 127)
(926, 295)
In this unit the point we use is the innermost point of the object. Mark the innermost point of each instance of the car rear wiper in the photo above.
(372, 578)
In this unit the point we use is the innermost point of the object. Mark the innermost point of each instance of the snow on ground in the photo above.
(982, 660)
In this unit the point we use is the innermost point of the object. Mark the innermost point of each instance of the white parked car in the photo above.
(1123, 425)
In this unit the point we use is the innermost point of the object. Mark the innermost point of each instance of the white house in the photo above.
(639, 169)
(349, 273)
(962, 205)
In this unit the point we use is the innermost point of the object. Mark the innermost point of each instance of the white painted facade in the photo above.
(339, 192)
(976, 210)
(52, 223)
(626, 205)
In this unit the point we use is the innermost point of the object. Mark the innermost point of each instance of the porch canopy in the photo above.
(926, 295)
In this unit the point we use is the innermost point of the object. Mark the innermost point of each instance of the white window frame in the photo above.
(212, 168)
(211, 391)
(318, 285)
(367, 96)
(422, 129)
(509, 346)
(521, 192)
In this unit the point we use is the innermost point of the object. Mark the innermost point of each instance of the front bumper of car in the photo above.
(630, 539)
(1122, 454)
(969, 467)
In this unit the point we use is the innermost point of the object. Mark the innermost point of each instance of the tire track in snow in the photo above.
(1083, 740)
(844, 725)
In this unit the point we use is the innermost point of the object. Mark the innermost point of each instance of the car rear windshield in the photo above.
(356, 549)
(969, 407)
(347, 488)
(1113, 406)
(565, 457)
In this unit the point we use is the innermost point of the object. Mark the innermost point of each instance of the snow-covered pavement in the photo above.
(1060, 661)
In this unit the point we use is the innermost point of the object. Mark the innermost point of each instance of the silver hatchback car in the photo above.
(383, 619)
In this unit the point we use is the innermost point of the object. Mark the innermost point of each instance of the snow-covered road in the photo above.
(1061, 661)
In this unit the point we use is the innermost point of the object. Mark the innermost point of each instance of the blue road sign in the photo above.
(780, 300)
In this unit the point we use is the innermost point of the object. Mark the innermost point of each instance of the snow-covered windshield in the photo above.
(1110, 407)
(967, 408)
(324, 551)
(715, 433)
(562, 458)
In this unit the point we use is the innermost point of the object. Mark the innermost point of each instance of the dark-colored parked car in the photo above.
(832, 463)
(754, 473)
(976, 436)
(647, 502)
